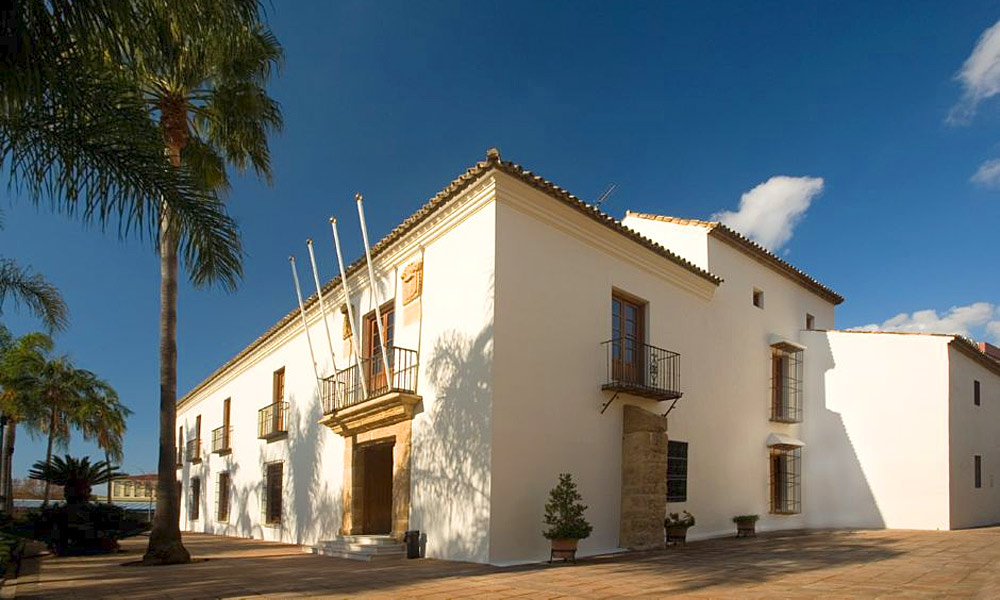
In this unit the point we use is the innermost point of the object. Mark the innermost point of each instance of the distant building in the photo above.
(130, 488)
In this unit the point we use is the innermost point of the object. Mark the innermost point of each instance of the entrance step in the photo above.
(360, 547)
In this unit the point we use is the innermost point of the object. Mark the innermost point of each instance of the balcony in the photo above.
(641, 370)
(272, 421)
(194, 451)
(220, 440)
(350, 407)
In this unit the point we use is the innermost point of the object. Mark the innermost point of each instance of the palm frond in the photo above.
(29, 289)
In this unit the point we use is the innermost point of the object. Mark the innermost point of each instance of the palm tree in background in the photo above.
(25, 287)
(206, 90)
(16, 406)
(55, 396)
(103, 420)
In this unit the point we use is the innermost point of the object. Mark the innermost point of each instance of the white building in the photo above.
(531, 335)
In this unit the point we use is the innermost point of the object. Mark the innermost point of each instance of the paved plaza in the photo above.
(808, 564)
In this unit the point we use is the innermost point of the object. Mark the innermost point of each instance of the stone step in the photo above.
(360, 547)
(363, 548)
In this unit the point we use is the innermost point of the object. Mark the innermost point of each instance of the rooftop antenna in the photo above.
(610, 190)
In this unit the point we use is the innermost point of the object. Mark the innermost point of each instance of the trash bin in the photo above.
(412, 540)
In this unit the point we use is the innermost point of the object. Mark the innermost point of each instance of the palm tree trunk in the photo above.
(48, 453)
(107, 460)
(165, 545)
(9, 433)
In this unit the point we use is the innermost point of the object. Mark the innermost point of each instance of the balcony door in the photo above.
(375, 369)
(627, 324)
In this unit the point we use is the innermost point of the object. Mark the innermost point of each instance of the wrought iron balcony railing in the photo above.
(194, 450)
(344, 388)
(220, 440)
(642, 370)
(271, 421)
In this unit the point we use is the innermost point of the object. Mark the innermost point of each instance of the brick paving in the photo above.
(792, 565)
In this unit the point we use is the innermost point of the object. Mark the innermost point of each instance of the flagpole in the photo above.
(302, 311)
(371, 280)
(322, 305)
(350, 311)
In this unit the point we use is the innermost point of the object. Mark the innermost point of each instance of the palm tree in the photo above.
(58, 396)
(15, 405)
(40, 297)
(75, 132)
(76, 476)
(206, 89)
(102, 419)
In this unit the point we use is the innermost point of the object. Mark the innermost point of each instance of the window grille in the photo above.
(222, 497)
(786, 383)
(978, 464)
(786, 483)
(195, 507)
(677, 470)
(272, 493)
(976, 391)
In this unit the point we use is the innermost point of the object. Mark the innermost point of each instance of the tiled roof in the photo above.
(472, 174)
(752, 248)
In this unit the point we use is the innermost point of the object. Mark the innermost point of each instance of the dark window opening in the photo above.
(677, 471)
(222, 497)
(786, 488)
(195, 509)
(976, 391)
(758, 298)
(978, 463)
(272, 493)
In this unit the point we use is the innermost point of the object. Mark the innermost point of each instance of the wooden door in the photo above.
(628, 346)
(375, 369)
(377, 489)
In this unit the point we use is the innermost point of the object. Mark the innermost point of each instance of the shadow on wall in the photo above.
(451, 453)
(310, 513)
(837, 491)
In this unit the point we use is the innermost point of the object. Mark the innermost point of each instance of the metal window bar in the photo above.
(271, 420)
(642, 368)
(220, 439)
(786, 484)
(194, 450)
(677, 470)
(786, 384)
(195, 498)
(271, 503)
(344, 389)
(222, 497)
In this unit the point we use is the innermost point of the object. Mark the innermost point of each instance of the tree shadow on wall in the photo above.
(310, 511)
(451, 453)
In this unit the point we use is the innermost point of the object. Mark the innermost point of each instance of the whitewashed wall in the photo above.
(973, 430)
(452, 327)
(877, 430)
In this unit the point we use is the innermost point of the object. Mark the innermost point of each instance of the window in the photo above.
(758, 298)
(786, 383)
(627, 340)
(373, 349)
(195, 507)
(677, 471)
(810, 321)
(976, 399)
(279, 385)
(128, 489)
(272, 493)
(222, 497)
(785, 480)
(978, 465)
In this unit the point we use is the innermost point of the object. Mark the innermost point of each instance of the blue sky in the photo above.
(686, 106)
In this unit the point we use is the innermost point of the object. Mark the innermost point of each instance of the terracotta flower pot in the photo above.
(746, 528)
(564, 549)
(677, 534)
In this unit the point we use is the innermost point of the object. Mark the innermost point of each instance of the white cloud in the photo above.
(980, 76)
(976, 320)
(988, 174)
(769, 212)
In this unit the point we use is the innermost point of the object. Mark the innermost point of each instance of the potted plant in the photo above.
(676, 527)
(745, 525)
(564, 516)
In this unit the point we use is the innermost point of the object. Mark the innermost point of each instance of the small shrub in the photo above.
(750, 519)
(682, 519)
(564, 512)
(84, 528)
